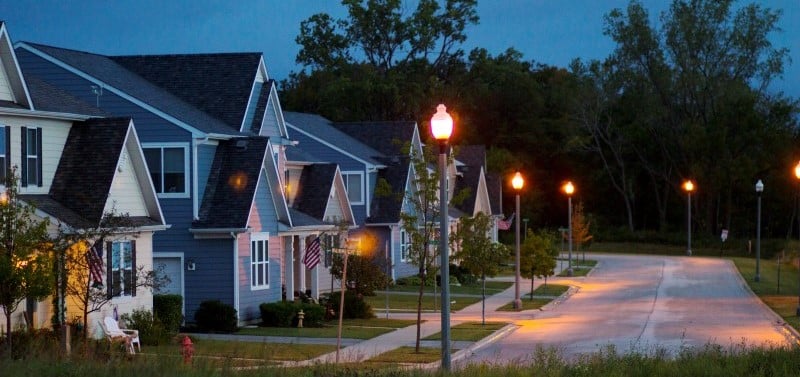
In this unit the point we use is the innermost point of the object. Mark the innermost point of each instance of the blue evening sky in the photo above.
(552, 32)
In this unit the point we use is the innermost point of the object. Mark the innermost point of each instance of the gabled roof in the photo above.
(12, 72)
(47, 97)
(115, 77)
(473, 159)
(323, 131)
(314, 188)
(83, 179)
(218, 84)
(386, 209)
(494, 185)
(232, 183)
(472, 155)
(389, 138)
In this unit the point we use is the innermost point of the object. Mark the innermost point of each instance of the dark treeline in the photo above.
(684, 98)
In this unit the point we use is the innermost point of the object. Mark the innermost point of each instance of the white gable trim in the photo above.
(136, 154)
(273, 182)
(195, 132)
(482, 197)
(15, 78)
(344, 201)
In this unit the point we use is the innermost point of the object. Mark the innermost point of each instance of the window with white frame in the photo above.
(354, 183)
(4, 152)
(259, 260)
(122, 259)
(169, 168)
(31, 172)
(405, 245)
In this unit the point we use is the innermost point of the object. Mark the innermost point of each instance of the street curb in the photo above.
(791, 333)
(460, 354)
(564, 296)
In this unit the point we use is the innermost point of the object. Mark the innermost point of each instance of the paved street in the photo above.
(643, 303)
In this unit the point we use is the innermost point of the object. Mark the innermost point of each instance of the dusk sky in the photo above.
(546, 31)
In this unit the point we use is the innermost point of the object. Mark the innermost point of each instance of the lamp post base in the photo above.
(757, 278)
(798, 311)
(517, 304)
(570, 272)
(689, 252)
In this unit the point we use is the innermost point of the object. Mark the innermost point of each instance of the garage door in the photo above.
(173, 268)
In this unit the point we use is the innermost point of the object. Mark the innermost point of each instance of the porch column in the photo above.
(288, 267)
(315, 280)
(302, 267)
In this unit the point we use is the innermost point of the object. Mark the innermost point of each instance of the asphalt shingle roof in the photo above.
(389, 138)
(116, 75)
(47, 97)
(314, 189)
(218, 84)
(386, 209)
(232, 182)
(494, 185)
(323, 129)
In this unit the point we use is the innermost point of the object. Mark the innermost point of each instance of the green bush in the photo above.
(462, 275)
(277, 314)
(216, 316)
(284, 314)
(354, 305)
(414, 281)
(169, 310)
(27, 343)
(151, 330)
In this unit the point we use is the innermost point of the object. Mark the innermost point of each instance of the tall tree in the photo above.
(25, 253)
(476, 252)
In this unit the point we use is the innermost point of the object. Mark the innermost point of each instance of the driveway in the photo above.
(644, 304)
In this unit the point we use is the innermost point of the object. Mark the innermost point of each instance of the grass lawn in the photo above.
(492, 287)
(576, 271)
(245, 350)
(407, 355)
(784, 303)
(351, 328)
(408, 302)
(554, 290)
(470, 331)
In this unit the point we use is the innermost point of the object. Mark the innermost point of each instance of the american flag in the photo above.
(95, 258)
(311, 259)
(505, 224)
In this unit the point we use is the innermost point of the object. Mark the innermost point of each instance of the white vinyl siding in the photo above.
(125, 195)
(169, 168)
(354, 182)
(259, 260)
(54, 135)
(6, 93)
(3, 153)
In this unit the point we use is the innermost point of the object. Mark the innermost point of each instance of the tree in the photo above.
(476, 252)
(420, 221)
(581, 232)
(538, 256)
(25, 253)
(365, 271)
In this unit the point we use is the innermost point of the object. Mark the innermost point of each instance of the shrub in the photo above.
(151, 330)
(277, 314)
(354, 305)
(284, 314)
(27, 343)
(462, 275)
(216, 316)
(168, 309)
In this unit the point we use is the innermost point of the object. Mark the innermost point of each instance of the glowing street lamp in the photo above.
(441, 128)
(797, 175)
(517, 182)
(688, 186)
(759, 190)
(569, 189)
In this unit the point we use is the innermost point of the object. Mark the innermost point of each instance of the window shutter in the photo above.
(8, 150)
(23, 175)
(109, 274)
(133, 269)
(39, 177)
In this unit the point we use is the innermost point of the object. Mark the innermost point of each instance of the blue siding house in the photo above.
(214, 138)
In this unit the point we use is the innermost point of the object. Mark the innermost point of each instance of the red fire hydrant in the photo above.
(187, 350)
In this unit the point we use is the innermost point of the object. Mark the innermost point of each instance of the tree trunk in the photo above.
(8, 330)
(419, 303)
(531, 287)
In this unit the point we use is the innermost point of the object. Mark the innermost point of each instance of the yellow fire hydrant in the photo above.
(300, 316)
(187, 349)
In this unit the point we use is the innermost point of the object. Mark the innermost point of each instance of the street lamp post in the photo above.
(517, 183)
(797, 174)
(689, 187)
(441, 128)
(759, 190)
(569, 189)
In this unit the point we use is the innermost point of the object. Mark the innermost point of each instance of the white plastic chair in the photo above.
(113, 332)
